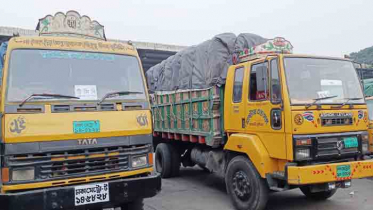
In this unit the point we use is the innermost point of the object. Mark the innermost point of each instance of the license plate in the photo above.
(92, 126)
(350, 142)
(91, 193)
(343, 171)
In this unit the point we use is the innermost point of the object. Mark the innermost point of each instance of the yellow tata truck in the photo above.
(281, 121)
(75, 120)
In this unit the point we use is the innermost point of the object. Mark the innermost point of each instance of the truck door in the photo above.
(264, 115)
(234, 113)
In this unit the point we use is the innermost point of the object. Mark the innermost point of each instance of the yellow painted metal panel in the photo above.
(59, 126)
(80, 180)
(327, 172)
(252, 146)
(313, 124)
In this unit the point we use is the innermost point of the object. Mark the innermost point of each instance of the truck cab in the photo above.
(280, 121)
(75, 128)
(301, 120)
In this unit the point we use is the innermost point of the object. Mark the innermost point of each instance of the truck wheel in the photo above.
(175, 161)
(134, 205)
(163, 163)
(317, 195)
(204, 169)
(247, 190)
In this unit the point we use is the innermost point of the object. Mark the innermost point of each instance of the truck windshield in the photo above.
(85, 75)
(310, 79)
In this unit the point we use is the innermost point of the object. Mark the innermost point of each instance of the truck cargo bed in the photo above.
(190, 115)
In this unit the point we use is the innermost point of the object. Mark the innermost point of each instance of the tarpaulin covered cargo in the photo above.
(368, 87)
(200, 66)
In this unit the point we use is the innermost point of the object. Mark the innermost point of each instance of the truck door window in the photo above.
(237, 87)
(258, 88)
(275, 83)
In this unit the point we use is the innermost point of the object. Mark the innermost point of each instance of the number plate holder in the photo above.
(343, 171)
(350, 142)
(91, 193)
(89, 126)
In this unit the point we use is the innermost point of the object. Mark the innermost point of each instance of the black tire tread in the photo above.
(324, 195)
(175, 161)
(263, 188)
(164, 151)
(134, 205)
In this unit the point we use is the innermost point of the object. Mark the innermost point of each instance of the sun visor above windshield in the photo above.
(70, 24)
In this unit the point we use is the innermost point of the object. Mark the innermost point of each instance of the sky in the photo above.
(317, 27)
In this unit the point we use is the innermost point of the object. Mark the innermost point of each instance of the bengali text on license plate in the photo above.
(92, 193)
(343, 171)
(90, 126)
(350, 142)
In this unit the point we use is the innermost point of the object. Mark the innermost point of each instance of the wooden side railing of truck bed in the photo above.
(190, 115)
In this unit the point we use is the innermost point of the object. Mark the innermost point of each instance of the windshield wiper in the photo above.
(347, 100)
(318, 99)
(117, 93)
(46, 95)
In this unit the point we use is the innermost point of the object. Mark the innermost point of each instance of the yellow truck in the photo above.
(75, 120)
(281, 121)
(369, 101)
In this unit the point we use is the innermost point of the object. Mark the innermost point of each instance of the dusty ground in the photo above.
(197, 190)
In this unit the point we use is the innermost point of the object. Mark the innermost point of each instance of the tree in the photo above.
(363, 56)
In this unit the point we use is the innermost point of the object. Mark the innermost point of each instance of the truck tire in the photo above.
(317, 195)
(163, 163)
(246, 189)
(134, 205)
(204, 169)
(175, 161)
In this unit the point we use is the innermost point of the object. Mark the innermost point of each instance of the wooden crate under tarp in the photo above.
(190, 115)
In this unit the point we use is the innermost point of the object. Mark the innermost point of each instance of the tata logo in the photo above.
(340, 145)
(87, 141)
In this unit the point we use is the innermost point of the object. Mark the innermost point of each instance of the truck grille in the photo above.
(76, 163)
(329, 147)
(336, 121)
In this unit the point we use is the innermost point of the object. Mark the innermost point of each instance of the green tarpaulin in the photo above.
(368, 87)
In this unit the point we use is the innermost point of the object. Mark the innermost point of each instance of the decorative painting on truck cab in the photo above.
(17, 125)
(310, 117)
(257, 112)
(361, 115)
(70, 24)
(298, 119)
(142, 120)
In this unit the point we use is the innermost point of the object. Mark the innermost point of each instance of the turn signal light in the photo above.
(302, 142)
(150, 158)
(5, 174)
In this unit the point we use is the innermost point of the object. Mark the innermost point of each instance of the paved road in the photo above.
(197, 190)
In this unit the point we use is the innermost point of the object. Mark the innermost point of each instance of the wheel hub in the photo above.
(241, 185)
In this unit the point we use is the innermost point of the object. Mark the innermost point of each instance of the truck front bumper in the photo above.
(314, 174)
(120, 191)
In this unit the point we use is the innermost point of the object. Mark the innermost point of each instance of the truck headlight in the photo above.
(139, 161)
(23, 174)
(365, 143)
(303, 148)
(302, 154)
